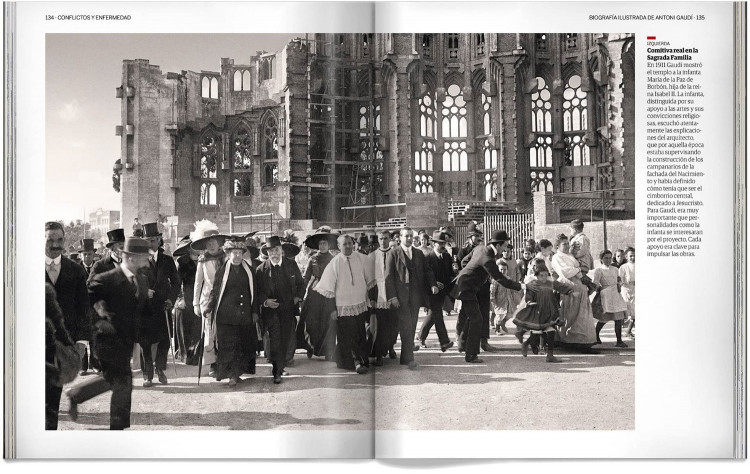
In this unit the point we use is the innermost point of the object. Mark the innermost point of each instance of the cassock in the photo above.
(344, 284)
(383, 328)
(321, 337)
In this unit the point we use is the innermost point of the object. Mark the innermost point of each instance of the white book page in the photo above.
(684, 376)
(145, 18)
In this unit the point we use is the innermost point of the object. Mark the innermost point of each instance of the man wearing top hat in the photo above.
(164, 281)
(120, 297)
(233, 308)
(116, 239)
(87, 255)
(479, 267)
(408, 280)
(69, 280)
(280, 290)
(441, 264)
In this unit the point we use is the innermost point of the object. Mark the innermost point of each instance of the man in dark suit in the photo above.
(120, 296)
(474, 239)
(164, 282)
(408, 278)
(116, 239)
(479, 266)
(280, 289)
(87, 262)
(441, 264)
(69, 281)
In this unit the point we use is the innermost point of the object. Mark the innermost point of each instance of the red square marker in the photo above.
(651, 37)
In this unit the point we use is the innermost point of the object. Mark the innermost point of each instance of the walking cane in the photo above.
(171, 348)
(202, 349)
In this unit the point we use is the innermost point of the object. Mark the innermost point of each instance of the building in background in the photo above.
(101, 221)
(438, 122)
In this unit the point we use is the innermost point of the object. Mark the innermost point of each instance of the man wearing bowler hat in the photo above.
(120, 297)
(441, 264)
(164, 282)
(280, 290)
(479, 266)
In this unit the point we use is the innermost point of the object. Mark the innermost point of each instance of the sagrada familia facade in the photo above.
(354, 129)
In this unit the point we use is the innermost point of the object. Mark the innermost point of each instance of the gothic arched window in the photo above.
(270, 152)
(480, 42)
(575, 123)
(424, 157)
(210, 87)
(540, 154)
(242, 163)
(452, 45)
(241, 80)
(209, 156)
(490, 186)
(454, 130)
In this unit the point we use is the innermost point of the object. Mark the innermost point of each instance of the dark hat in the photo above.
(136, 246)
(363, 240)
(250, 234)
(87, 245)
(271, 242)
(499, 236)
(200, 244)
(114, 236)
(323, 233)
(473, 229)
(440, 236)
(373, 239)
(183, 247)
(151, 230)
(253, 251)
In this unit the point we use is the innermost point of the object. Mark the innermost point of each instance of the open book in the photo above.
(390, 242)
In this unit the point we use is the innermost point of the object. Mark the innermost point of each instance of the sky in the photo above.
(82, 73)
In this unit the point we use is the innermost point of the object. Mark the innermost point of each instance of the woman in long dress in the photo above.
(579, 329)
(319, 328)
(207, 238)
(613, 307)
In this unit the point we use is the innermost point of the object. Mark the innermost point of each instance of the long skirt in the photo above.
(235, 344)
(317, 323)
(187, 335)
(579, 325)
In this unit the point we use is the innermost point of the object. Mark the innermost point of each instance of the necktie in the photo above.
(134, 283)
(348, 262)
(53, 270)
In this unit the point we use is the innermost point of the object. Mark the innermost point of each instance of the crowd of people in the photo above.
(220, 302)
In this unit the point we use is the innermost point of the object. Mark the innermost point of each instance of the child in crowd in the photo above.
(546, 249)
(613, 307)
(619, 258)
(504, 301)
(542, 312)
(525, 261)
(627, 278)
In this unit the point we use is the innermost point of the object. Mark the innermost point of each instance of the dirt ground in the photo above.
(506, 392)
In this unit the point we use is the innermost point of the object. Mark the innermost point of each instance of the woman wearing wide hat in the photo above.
(321, 337)
(206, 238)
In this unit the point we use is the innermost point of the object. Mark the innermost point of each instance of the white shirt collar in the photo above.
(50, 261)
(155, 256)
(127, 272)
(276, 264)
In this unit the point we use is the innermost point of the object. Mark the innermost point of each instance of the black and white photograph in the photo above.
(356, 231)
